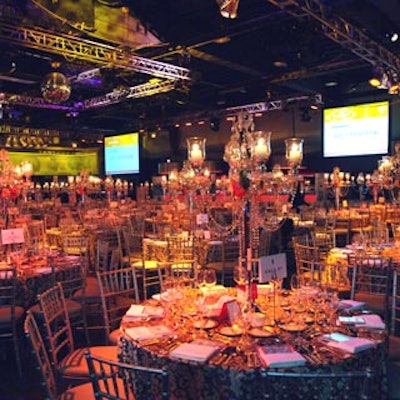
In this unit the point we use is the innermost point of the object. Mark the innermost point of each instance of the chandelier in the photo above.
(247, 153)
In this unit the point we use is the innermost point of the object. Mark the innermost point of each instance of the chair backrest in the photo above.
(316, 385)
(118, 289)
(131, 242)
(8, 289)
(107, 257)
(230, 250)
(39, 350)
(119, 381)
(308, 260)
(57, 323)
(8, 285)
(373, 277)
(180, 248)
(73, 277)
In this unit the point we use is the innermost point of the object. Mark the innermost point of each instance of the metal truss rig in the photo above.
(342, 32)
(86, 50)
(116, 96)
(260, 107)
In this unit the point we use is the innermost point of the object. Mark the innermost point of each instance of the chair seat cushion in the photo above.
(74, 365)
(147, 264)
(5, 314)
(91, 293)
(74, 309)
(114, 336)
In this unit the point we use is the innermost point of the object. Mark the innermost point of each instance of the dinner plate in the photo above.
(294, 327)
(205, 323)
(229, 331)
(261, 332)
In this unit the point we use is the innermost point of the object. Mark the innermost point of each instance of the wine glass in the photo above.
(240, 275)
(201, 278)
(295, 283)
(210, 278)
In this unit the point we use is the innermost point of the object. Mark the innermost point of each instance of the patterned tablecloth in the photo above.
(35, 275)
(238, 375)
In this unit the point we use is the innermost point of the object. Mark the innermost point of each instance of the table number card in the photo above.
(230, 312)
(272, 267)
(12, 236)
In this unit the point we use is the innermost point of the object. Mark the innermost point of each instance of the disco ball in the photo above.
(56, 88)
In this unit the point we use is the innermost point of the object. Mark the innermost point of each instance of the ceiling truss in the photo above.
(342, 32)
(93, 52)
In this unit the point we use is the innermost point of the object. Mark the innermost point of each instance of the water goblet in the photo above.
(240, 275)
(210, 278)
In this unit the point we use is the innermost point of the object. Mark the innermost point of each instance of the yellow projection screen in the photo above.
(58, 164)
(356, 130)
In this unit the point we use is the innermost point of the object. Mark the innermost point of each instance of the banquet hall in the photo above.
(199, 200)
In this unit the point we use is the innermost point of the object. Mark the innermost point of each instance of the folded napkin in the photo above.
(43, 270)
(347, 304)
(348, 343)
(140, 311)
(198, 351)
(140, 333)
(214, 310)
(371, 321)
(280, 356)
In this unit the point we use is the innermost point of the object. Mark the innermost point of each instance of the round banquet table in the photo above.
(238, 375)
(37, 274)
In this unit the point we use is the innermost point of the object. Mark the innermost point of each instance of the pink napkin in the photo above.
(347, 304)
(140, 333)
(140, 311)
(280, 356)
(348, 343)
(371, 321)
(198, 351)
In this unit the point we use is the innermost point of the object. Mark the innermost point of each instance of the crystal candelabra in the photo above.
(339, 183)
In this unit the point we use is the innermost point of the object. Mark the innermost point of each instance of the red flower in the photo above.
(238, 190)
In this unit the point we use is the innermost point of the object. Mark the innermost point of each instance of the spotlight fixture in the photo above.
(385, 79)
(305, 115)
(215, 124)
(228, 8)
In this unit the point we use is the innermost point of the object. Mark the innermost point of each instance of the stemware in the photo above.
(210, 278)
(240, 275)
(201, 278)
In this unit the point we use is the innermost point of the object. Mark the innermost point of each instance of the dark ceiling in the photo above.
(302, 48)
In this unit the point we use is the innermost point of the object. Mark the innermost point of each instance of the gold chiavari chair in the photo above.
(373, 281)
(39, 350)
(11, 314)
(119, 290)
(120, 381)
(68, 361)
(316, 385)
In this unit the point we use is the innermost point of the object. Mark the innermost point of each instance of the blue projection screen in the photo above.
(121, 154)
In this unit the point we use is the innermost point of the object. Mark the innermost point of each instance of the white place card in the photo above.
(271, 268)
(12, 236)
(201, 219)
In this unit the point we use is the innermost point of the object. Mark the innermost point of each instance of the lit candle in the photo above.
(295, 155)
(196, 155)
(260, 149)
(249, 259)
